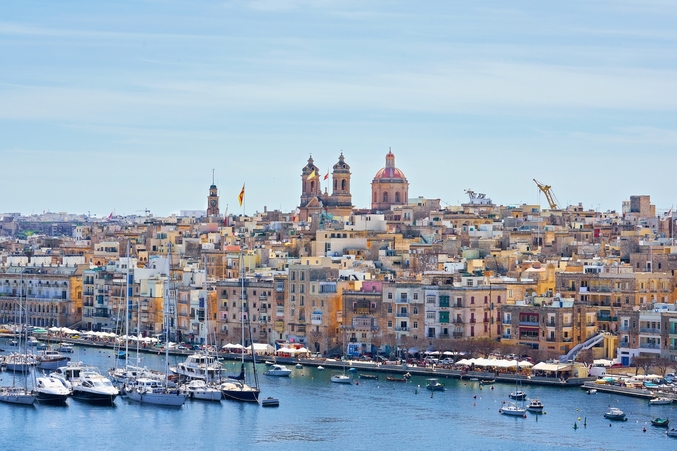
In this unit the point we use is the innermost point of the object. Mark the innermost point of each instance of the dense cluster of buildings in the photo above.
(403, 273)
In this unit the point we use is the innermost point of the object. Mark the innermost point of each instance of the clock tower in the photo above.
(213, 199)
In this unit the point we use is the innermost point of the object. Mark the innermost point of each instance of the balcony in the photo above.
(443, 336)
(457, 334)
(624, 344)
(473, 320)
(456, 321)
(402, 329)
(649, 330)
(606, 318)
(528, 323)
(506, 336)
(649, 346)
(402, 315)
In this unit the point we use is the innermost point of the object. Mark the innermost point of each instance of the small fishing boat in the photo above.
(660, 422)
(592, 391)
(672, 432)
(405, 377)
(616, 414)
(434, 385)
(320, 368)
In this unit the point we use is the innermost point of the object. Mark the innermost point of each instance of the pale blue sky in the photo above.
(123, 105)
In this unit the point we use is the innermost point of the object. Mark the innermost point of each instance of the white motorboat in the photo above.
(122, 376)
(615, 413)
(91, 386)
(278, 370)
(51, 360)
(435, 385)
(199, 389)
(672, 432)
(16, 395)
(152, 391)
(341, 379)
(518, 395)
(199, 365)
(535, 406)
(513, 409)
(320, 368)
(32, 341)
(50, 390)
(660, 401)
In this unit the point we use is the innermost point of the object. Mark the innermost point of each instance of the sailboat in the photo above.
(202, 364)
(16, 394)
(512, 408)
(342, 378)
(152, 391)
(236, 387)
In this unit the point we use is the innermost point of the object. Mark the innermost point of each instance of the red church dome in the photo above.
(390, 172)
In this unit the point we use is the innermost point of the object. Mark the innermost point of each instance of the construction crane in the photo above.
(549, 195)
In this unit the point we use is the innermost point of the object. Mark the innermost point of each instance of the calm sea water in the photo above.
(317, 414)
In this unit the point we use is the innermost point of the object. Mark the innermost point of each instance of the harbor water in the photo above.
(317, 414)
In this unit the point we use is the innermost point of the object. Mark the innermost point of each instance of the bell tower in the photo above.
(310, 182)
(213, 199)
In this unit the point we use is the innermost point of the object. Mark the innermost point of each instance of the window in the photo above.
(390, 295)
(415, 310)
(430, 299)
(390, 324)
(444, 317)
(444, 301)
(403, 296)
(472, 299)
(415, 325)
(302, 301)
(415, 296)
(430, 315)
(397, 196)
(390, 309)
(486, 299)
(385, 197)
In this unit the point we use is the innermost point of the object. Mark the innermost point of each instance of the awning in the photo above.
(542, 366)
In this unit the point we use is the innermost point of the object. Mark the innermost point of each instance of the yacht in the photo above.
(615, 413)
(51, 360)
(660, 400)
(19, 362)
(513, 410)
(518, 395)
(341, 379)
(50, 390)
(64, 347)
(16, 395)
(237, 390)
(278, 370)
(199, 366)
(199, 389)
(152, 391)
(86, 383)
(535, 406)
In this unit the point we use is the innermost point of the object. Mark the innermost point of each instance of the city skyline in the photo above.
(127, 106)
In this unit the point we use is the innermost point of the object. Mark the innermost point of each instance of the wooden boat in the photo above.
(369, 376)
(405, 377)
(660, 422)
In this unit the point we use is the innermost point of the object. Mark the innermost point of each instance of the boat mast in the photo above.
(165, 314)
(127, 310)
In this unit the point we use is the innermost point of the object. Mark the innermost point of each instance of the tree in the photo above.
(662, 364)
(585, 356)
(644, 363)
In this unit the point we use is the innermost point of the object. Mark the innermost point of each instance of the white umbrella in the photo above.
(525, 364)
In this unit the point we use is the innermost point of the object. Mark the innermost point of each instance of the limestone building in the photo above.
(314, 201)
(389, 187)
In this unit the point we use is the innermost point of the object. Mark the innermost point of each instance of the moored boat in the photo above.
(434, 385)
(369, 376)
(405, 377)
(661, 400)
(535, 406)
(50, 390)
(270, 402)
(341, 379)
(199, 389)
(91, 386)
(513, 409)
(615, 414)
(278, 370)
(16, 395)
(518, 395)
(660, 422)
(672, 432)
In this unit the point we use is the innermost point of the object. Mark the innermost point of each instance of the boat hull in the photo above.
(25, 399)
(94, 397)
(241, 395)
(50, 398)
(173, 399)
(270, 402)
(341, 380)
(513, 412)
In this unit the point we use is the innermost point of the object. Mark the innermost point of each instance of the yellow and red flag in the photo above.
(240, 197)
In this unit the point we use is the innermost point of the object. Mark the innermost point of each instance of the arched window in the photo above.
(397, 197)
(343, 185)
(335, 184)
(374, 196)
(312, 186)
(385, 197)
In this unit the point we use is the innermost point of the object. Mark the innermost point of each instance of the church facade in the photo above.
(389, 187)
(315, 201)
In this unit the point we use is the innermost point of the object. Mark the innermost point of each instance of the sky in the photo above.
(128, 105)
